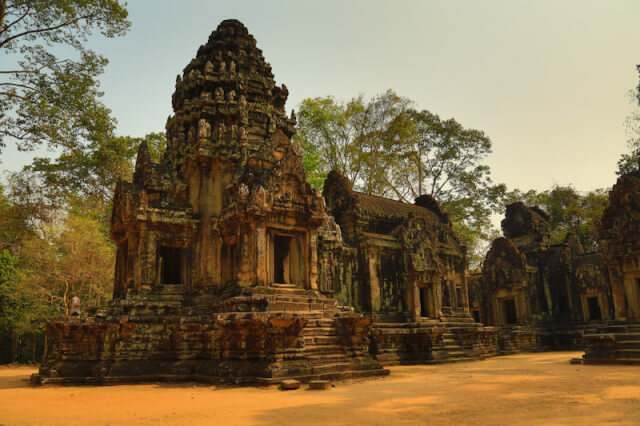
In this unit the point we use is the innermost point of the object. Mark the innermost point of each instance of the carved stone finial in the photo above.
(243, 136)
(221, 131)
(219, 94)
(243, 192)
(231, 96)
(208, 68)
(191, 135)
(204, 129)
(205, 98)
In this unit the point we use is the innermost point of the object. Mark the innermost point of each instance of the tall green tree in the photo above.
(84, 175)
(630, 161)
(571, 211)
(446, 160)
(49, 92)
(357, 137)
(387, 148)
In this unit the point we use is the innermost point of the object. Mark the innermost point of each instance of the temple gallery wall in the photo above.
(230, 267)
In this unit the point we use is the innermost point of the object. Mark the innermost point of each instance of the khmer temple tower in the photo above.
(217, 247)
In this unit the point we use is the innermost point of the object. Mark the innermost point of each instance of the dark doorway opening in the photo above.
(172, 260)
(446, 295)
(563, 302)
(594, 308)
(122, 257)
(476, 316)
(281, 252)
(509, 312)
(423, 308)
(459, 297)
(228, 262)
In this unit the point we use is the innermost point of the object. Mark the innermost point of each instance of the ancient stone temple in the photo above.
(555, 290)
(405, 266)
(619, 242)
(217, 272)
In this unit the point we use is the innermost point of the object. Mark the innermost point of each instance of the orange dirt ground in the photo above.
(527, 389)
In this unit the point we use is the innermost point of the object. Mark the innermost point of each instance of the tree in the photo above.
(14, 223)
(570, 211)
(445, 160)
(84, 175)
(47, 99)
(630, 161)
(386, 148)
(356, 138)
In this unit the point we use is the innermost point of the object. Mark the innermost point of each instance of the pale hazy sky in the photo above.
(548, 81)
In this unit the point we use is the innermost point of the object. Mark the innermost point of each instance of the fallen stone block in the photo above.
(290, 384)
(319, 384)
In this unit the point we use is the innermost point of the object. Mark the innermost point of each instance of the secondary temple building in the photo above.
(231, 267)
(619, 341)
(528, 280)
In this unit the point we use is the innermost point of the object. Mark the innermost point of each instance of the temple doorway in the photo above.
(286, 259)
(509, 313)
(171, 261)
(594, 308)
(426, 302)
(281, 267)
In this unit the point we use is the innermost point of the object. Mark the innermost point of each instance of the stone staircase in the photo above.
(455, 352)
(323, 348)
(613, 344)
(293, 300)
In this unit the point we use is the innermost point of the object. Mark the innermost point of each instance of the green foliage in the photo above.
(46, 99)
(20, 309)
(570, 211)
(630, 161)
(387, 148)
(356, 137)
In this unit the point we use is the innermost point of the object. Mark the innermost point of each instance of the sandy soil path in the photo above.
(519, 389)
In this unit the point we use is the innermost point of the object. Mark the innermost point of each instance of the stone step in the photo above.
(628, 344)
(321, 340)
(169, 289)
(326, 358)
(316, 349)
(320, 331)
(330, 368)
(627, 353)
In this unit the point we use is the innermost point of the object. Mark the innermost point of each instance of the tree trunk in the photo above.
(14, 347)
(64, 298)
(33, 349)
(3, 13)
(46, 347)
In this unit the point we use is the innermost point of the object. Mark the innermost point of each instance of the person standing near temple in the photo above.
(75, 305)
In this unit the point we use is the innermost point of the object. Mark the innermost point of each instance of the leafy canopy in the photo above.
(385, 147)
(48, 83)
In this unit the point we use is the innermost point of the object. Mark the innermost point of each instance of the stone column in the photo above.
(373, 281)
(261, 256)
(206, 210)
(311, 260)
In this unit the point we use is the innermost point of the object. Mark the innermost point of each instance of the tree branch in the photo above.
(44, 30)
(2, 15)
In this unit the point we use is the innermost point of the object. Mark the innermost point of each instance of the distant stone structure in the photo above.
(619, 241)
(404, 265)
(542, 293)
